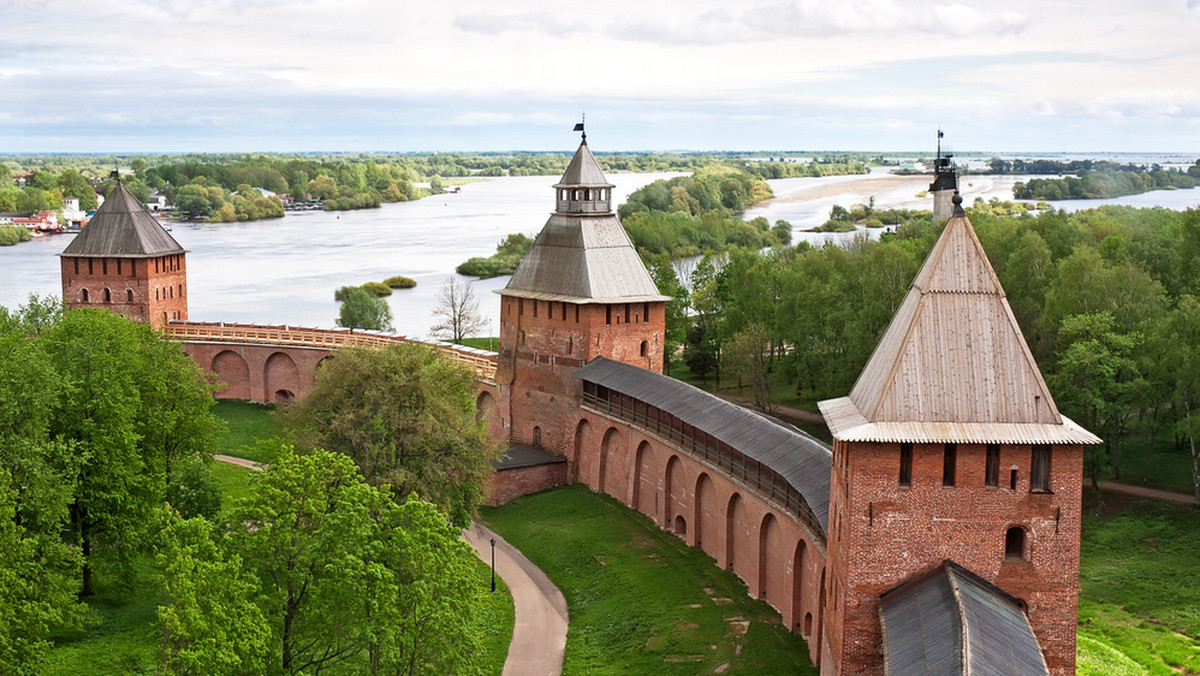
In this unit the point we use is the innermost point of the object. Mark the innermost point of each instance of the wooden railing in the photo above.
(482, 361)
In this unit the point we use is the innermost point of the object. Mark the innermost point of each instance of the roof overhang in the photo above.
(541, 295)
(847, 423)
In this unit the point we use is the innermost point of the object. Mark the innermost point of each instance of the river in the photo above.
(285, 271)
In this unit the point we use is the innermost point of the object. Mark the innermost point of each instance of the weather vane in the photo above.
(579, 127)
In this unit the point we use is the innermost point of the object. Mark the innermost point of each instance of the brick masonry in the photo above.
(513, 483)
(149, 290)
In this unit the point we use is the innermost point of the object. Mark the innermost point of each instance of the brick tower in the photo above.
(952, 469)
(125, 262)
(581, 292)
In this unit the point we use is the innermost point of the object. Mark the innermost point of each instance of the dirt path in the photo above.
(1144, 492)
(240, 462)
(540, 630)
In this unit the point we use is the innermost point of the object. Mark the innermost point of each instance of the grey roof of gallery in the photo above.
(803, 461)
(952, 365)
(583, 257)
(521, 455)
(583, 170)
(122, 228)
(950, 621)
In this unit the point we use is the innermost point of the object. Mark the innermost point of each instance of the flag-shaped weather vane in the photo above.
(579, 127)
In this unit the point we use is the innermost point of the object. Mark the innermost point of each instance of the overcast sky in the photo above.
(275, 75)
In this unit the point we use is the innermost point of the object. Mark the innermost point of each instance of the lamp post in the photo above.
(493, 564)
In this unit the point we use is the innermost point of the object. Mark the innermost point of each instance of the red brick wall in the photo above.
(722, 517)
(513, 483)
(262, 373)
(882, 535)
(158, 286)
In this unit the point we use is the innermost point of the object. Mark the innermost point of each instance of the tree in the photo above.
(746, 358)
(362, 310)
(457, 311)
(1182, 332)
(405, 414)
(209, 619)
(350, 576)
(667, 283)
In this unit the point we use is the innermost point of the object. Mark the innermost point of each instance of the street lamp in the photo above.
(493, 564)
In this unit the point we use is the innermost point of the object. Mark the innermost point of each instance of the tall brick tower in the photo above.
(581, 292)
(125, 262)
(950, 454)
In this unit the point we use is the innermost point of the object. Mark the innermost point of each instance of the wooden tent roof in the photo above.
(122, 228)
(583, 257)
(952, 365)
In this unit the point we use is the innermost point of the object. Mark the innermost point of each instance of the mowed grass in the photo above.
(1139, 584)
(246, 424)
(640, 600)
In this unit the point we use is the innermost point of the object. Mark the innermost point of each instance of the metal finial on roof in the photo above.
(940, 135)
(115, 175)
(958, 208)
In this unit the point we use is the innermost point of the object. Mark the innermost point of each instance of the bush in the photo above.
(343, 292)
(484, 267)
(12, 234)
(377, 289)
(400, 282)
(194, 491)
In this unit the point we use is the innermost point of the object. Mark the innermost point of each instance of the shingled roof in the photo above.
(951, 622)
(122, 228)
(583, 257)
(952, 367)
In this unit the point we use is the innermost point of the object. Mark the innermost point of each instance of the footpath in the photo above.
(1144, 492)
(539, 608)
(540, 628)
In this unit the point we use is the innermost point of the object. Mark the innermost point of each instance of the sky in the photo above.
(1019, 76)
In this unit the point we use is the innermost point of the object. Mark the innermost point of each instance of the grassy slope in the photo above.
(1139, 589)
(247, 424)
(626, 615)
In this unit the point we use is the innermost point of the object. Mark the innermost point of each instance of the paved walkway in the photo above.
(1144, 492)
(539, 609)
(540, 630)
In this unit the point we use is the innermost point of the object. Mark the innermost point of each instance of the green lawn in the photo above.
(1139, 584)
(640, 600)
(234, 481)
(246, 424)
(492, 344)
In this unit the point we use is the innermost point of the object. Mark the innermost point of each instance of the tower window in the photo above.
(535, 304)
(645, 312)
(627, 313)
(645, 348)
(949, 464)
(76, 265)
(181, 291)
(1012, 480)
(564, 311)
(83, 295)
(1039, 468)
(608, 314)
(576, 314)
(992, 472)
(90, 266)
(521, 307)
(132, 267)
(1014, 543)
(107, 296)
(104, 265)
(906, 452)
(118, 266)
(128, 295)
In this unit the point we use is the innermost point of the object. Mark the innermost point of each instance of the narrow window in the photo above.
(156, 295)
(76, 265)
(608, 314)
(627, 313)
(181, 291)
(118, 266)
(992, 473)
(645, 348)
(1012, 480)
(107, 296)
(1039, 468)
(156, 270)
(537, 436)
(1014, 543)
(521, 307)
(133, 267)
(83, 295)
(949, 461)
(576, 314)
(128, 295)
(564, 311)
(104, 265)
(906, 452)
(645, 312)
(535, 304)
(90, 266)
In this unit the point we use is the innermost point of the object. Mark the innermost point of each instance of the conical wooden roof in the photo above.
(583, 257)
(122, 228)
(952, 365)
(583, 171)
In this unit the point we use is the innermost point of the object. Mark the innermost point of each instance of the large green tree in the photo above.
(405, 414)
(362, 310)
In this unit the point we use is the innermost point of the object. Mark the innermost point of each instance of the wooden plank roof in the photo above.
(802, 460)
(953, 364)
(583, 258)
(122, 228)
(951, 621)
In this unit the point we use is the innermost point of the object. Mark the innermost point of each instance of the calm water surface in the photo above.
(285, 271)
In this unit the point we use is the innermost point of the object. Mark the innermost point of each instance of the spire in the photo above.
(952, 366)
